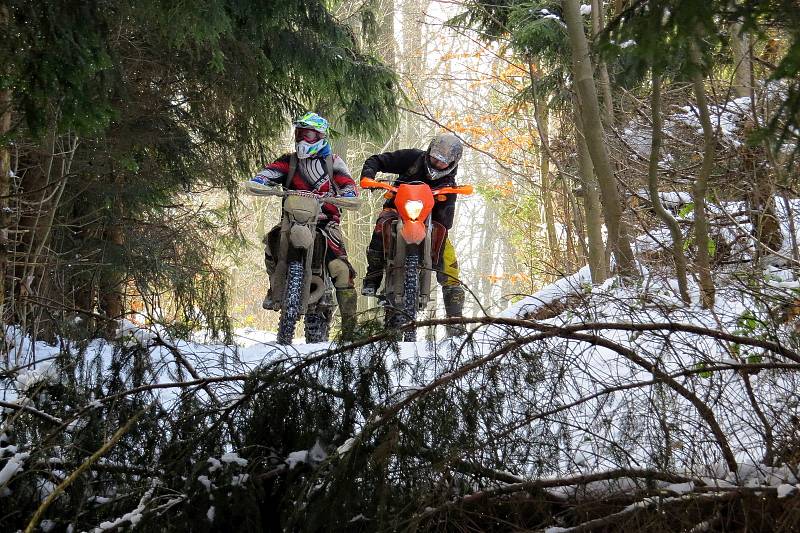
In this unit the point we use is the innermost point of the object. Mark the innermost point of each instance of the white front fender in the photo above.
(301, 236)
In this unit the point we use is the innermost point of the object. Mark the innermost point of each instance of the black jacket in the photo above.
(409, 165)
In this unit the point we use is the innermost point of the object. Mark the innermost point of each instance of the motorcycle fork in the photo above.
(278, 279)
(288, 253)
(318, 274)
(395, 267)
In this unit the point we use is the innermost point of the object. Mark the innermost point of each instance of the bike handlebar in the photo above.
(369, 183)
(258, 189)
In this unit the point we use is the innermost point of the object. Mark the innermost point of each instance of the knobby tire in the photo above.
(290, 312)
(317, 327)
(410, 295)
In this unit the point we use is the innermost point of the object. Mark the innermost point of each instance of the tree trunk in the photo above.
(5, 180)
(760, 199)
(386, 43)
(663, 214)
(570, 252)
(602, 68)
(575, 229)
(542, 118)
(490, 253)
(700, 186)
(741, 60)
(579, 221)
(598, 260)
(30, 263)
(111, 296)
(618, 241)
(413, 63)
(5, 191)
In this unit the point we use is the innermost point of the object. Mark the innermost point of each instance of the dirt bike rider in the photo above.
(436, 167)
(318, 169)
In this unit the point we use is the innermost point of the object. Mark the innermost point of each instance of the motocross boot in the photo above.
(269, 304)
(453, 297)
(347, 300)
(270, 263)
(374, 275)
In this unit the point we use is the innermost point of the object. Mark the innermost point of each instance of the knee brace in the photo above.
(340, 272)
(447, 271)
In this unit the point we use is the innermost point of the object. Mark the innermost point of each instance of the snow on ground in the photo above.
(578, 392)
(562, 288)
(728, 118)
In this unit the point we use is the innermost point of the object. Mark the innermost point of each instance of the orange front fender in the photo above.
(413, 231)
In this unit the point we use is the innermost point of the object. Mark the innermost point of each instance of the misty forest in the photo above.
(588, 216)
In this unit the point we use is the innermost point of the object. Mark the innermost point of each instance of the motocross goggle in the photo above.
(308, 135)
(437, 163)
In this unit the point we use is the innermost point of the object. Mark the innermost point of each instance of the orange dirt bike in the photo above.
(411, 242)
(301, 284)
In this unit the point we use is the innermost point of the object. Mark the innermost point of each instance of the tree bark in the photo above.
(602, 68)
(700, 186)
(674, 229)
(413, 63)
(542, 118)
(5, 179)
(110, 295)
(575, 227)
(740, 47)
(618, 241)
(598, 259)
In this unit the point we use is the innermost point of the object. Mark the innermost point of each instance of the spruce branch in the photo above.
(37, 516)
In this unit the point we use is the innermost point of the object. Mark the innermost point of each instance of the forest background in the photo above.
(654, 141)
(153, 220)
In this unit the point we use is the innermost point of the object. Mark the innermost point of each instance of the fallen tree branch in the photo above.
(37, 516)
(30, 410)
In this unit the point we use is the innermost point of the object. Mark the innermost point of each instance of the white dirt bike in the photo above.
(301, 284)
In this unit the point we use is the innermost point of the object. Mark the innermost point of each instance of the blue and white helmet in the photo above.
(311, 136)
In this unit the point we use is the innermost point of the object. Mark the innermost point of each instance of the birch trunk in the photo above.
(618, 241)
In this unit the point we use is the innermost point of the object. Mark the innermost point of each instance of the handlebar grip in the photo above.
(259, 189)
(369, 183)
(347, 203)
(461, 189)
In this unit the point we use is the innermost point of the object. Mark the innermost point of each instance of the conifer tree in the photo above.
(164, 101)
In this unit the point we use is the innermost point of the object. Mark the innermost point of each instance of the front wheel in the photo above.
(290, 312)
(410, 295)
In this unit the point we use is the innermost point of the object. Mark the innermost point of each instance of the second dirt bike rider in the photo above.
(314, 167)
(436, 167)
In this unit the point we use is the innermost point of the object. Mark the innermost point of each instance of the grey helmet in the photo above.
(446, 148)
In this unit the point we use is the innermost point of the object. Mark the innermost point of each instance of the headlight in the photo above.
(413, 208)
